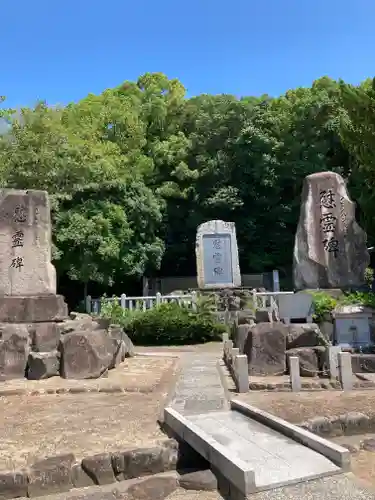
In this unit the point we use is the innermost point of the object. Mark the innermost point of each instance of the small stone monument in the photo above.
(29, 306)
(217, 255)
(330, 247)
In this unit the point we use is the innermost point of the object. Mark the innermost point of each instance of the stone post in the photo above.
(235, 352)
(228, 346)
(345, 370)
(242, 373)
(294, 370)
(333, 361)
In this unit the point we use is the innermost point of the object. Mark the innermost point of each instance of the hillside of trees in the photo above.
(133, 171)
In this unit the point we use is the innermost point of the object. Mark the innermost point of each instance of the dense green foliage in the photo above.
(324, 303)
(167, 324)
(133, 171)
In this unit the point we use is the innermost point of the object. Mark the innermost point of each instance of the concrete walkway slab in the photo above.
(275, 459)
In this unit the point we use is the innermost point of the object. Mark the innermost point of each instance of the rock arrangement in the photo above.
(269, 345)
(78, 347)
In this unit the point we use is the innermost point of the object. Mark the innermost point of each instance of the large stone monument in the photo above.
(29, 306)
(330, 247)
(37, 340)
(217, 255)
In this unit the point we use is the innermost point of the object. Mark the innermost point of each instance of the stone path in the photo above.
(200, 396)
(198, 388)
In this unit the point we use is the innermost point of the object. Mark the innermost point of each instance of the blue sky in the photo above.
(60, 50)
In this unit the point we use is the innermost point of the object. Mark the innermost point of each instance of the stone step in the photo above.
(250, 455)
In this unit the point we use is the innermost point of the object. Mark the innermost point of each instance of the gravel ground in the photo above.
(300, 406)
(38, 426)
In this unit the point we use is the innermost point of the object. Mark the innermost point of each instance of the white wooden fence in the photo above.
(93, 306)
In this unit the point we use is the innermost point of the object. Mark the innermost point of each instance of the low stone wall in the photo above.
(348, 424)
(60, 474)
(307, 385)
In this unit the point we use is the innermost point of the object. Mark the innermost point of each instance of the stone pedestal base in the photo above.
(29, 323)
(32, 309)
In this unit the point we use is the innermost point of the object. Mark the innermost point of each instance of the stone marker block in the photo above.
(295, 378)
(25, 243)
(32, 309)
(345, 370)
(333, 360)
(14, 351)
(217, 255)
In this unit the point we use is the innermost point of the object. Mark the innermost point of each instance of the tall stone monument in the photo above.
(217, 255)
(29, 306)
(330, 248)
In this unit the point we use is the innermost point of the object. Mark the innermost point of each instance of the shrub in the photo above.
(171, 324)
(324, 303)
(112, 310)
(369, 277)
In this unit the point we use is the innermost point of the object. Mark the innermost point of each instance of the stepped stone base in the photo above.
(32, 308)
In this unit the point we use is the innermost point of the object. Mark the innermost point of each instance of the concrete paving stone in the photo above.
(340, 487)
(274, 458)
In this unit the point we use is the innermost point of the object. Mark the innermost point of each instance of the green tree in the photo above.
(357, 128)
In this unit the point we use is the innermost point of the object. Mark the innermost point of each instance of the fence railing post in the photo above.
(158, 299)
(194, 301)
(123, 301)
(88, 304)
(275, 280)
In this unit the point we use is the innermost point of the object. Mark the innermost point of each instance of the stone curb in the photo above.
(347, 424)
(308, 385)
(62, 473)
(155, 487)
(75, 390)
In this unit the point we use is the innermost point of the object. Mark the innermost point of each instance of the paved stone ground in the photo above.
(198, 388)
